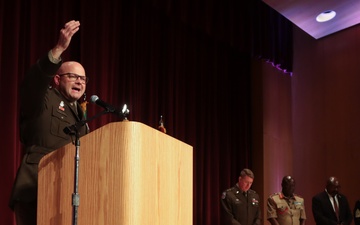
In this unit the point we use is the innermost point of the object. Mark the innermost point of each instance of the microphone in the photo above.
(95, 99)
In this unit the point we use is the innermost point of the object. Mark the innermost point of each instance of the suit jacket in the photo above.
(239, 209)
(44, 113)
(324, 213)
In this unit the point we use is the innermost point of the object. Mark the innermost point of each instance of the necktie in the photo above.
(74, 106)
(336, 207)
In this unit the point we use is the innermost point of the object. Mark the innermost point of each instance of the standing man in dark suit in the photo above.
(330, 207)
(48, 99)
(240, 204)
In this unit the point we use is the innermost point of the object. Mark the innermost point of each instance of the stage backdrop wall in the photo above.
(309, 121)
(158, 57)
(326, 113)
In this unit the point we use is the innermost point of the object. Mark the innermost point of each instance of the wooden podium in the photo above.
(129, 174)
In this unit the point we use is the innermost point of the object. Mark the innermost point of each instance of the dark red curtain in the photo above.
(187, 61)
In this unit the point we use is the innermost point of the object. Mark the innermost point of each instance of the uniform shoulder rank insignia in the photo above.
(299, 196)
(61, 106)
(274, 194)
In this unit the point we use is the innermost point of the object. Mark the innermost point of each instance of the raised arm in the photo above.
(65, 36)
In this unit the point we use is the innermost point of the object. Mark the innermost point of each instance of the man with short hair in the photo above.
(330, 207)
(240, 204)
(285, 207)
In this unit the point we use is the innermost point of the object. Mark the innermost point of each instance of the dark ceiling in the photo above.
(303, 14)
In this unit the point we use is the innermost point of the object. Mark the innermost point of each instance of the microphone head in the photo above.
(94, 98)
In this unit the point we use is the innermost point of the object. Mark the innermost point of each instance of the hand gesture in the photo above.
(66, 34)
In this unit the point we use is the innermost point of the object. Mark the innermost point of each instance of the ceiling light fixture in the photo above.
(326, 16)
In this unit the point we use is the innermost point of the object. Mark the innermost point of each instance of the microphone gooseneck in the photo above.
(110, 108)
(95, 99)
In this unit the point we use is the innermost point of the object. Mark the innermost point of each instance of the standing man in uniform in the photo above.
(49, 104)
(330, 207)
(240, 204)
(285, 207)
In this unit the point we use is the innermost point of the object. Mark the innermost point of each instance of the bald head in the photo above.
(71, 67)
(70, 80)
(288, 186)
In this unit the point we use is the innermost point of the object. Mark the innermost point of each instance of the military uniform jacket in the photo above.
(44, 113)
(240, 209)
(286, 210)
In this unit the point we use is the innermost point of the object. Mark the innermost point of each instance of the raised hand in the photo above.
(65, 36)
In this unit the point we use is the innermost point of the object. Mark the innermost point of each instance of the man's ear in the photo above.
(56, 80)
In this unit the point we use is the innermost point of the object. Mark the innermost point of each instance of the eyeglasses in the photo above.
(74, 77)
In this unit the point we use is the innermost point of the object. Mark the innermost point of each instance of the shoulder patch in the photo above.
(223, 196)
(274, 194)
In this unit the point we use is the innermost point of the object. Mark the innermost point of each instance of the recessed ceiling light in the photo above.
(326, 16)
